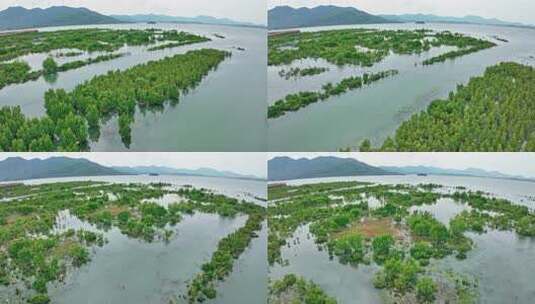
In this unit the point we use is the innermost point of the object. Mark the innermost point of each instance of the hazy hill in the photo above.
(19, 17)
(282, 17)
(456, 172)
(285, 168)
(16, 168)
(447, 19)
(175, 19)
(177, 171)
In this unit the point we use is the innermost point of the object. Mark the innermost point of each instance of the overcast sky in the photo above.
(508, 10)
(508, 163)
(242, 10)
(244, 163)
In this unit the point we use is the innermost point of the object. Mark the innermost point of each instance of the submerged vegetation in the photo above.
(399, 239)
(365, 47)
(494, 112)
(294, 102)
(16, 45)
(35, 250)
(74, 116)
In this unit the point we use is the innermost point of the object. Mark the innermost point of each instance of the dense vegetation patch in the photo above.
(335, 214)
(16, 72)
(73, 117)
(294, 102)
(365, 47)
(494, 112)
(296, 290)
(180, 39)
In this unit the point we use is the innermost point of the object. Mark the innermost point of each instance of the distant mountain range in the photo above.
(175, 19)
(17, 17)
(17, 168)
(190, 172)
(283, 17)
(285, 168)
(446, 19)
(455, 172)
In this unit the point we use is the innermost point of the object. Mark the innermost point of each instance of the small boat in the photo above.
(153, 174)
(421, 174)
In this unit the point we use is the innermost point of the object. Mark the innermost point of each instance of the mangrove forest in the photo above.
(493, 112)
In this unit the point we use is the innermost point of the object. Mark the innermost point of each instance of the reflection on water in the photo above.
(502, 262)
(213, 117)
(375, 111)
(444, 210)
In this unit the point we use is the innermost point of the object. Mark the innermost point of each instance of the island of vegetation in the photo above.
(298, 72)
(398, 238)
(293, 289)
(365, 47)
(294, 102)
(34, 252)
(16, 45)
(494, 112)
(73, 118)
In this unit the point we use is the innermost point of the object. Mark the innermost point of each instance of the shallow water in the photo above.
(128, 270)
(213, 117)
(131, 271)
(502, 262)
(444, 210)
(376, 111)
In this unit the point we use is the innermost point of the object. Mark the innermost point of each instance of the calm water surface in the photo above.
(502, 262)
(376, 111)
(226, 112)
